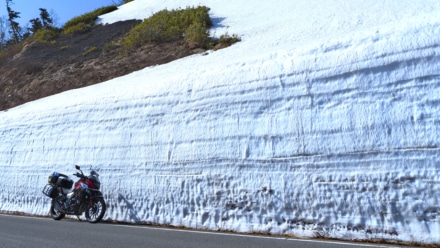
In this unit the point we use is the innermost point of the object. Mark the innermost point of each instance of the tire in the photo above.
(55, 214)
(95, 212)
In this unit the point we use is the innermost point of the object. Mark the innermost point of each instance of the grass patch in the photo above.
(90, 50)
(64, 47)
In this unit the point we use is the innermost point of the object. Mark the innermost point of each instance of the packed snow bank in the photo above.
(335, 137)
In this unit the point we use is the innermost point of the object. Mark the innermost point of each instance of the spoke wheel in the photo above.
(96, 210)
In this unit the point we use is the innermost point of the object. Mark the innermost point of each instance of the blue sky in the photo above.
(64, 10)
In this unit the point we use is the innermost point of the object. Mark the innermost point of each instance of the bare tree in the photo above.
(54, 17)
(3, 29)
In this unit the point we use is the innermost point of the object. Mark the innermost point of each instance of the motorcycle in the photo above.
(85, 197)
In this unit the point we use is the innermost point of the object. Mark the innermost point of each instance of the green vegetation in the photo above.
(110, 46)
(11, 51)
(192, 24)
(44, 22)
(197, 35)
(90, 50)
(42, 29)
(47, 35)
(79, 28)
(64, 47)
(85, 22)
(226, 40)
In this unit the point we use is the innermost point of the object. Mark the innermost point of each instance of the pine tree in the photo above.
(35, 25)
(15, 29)
(46, 19)
(44, 22)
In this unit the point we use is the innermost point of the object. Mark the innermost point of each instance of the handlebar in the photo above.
(82, 176)
(79, 175)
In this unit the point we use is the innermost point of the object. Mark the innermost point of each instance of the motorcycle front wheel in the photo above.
(95, 210)
(55, 214)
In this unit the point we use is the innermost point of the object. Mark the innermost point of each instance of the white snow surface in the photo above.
(323, 121)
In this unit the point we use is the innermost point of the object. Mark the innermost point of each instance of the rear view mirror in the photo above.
(77, 167)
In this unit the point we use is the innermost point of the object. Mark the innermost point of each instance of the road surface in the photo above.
(21, 232)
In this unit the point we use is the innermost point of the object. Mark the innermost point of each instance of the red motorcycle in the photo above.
(84, 198)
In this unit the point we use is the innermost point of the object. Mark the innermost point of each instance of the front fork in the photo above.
(95, 195)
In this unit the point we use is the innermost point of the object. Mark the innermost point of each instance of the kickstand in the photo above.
(78, 218)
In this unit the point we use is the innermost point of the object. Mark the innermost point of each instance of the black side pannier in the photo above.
(50, 191)
(64, 182)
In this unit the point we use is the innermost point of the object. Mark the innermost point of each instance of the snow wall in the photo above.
(335, 140)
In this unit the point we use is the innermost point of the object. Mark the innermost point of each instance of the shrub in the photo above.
(86, 21)
(79, 28)
(109, 46)
(11, 50)
(164, 26)
(196, 35)
(47, 35)
(226, 40)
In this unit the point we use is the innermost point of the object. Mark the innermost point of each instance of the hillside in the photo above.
(43, 69)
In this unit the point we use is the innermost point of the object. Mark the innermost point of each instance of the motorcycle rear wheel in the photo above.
(96, 210)
(55, 214)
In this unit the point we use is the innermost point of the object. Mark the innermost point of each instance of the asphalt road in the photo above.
(21, 232)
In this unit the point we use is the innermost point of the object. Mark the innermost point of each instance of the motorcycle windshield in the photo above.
(94, 176)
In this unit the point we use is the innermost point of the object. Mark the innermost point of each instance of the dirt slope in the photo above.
(42, 69)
